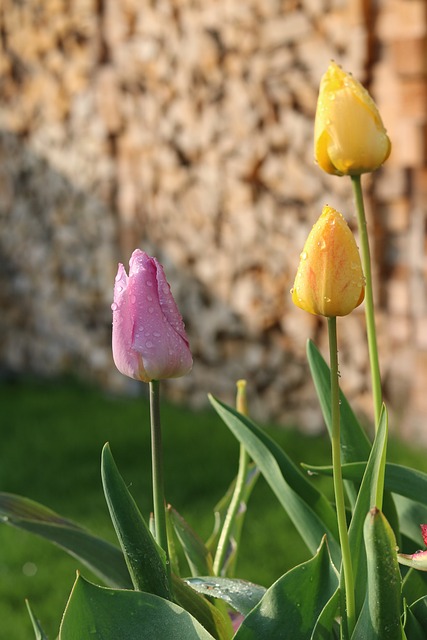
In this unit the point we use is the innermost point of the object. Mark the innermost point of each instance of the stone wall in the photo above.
(185, 127)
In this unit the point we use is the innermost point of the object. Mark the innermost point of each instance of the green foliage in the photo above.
(145, 560)
(98, 612)
(293, 604)
(307, 596)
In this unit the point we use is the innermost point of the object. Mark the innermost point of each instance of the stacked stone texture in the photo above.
(185, 127)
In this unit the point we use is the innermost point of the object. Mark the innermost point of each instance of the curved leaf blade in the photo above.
(110, 614)
(243, 596)
(144, 558)
(101, 557)
(293, 604)
(308, 509)
(380, 618)
(37, 628)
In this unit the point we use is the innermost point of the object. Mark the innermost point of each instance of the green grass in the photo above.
(52, 436)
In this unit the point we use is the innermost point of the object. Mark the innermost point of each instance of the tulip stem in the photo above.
(233, 509)
(157, 472)
(369, 299)
(337, 476)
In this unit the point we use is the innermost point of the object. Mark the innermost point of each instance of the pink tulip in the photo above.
(149, 338)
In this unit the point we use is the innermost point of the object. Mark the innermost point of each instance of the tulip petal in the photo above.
(329, 280)
(125, 359)
(349, 135)
(416, 560)
(149, 339)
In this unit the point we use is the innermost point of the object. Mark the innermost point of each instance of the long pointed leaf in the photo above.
(144, 558)
(355, 443)
(308, 509)
(101, 557)
(198, 556)
(380, 618)
(405, 481)
(365, 500)
(37, 628)
(293, 604)
(239, 594)
(97, 612)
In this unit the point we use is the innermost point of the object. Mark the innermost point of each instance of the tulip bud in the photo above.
(329, 280)
(349, 136)
(149, 338)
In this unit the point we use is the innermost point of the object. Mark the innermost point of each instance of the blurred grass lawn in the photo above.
(52, 437)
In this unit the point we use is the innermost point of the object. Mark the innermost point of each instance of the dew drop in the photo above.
(114, 306)
(149, 283)
(291, 291)
(150, 298)
(150, 309)
(157, 334)
(149, 344)
(303, 255)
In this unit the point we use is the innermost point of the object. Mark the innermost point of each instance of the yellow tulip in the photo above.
(329, 280)
(349, 135)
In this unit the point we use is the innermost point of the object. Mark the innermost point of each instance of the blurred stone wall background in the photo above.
(185, 127)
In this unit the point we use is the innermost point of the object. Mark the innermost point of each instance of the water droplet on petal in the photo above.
(150, 309)
(148, 344)
(303, 255)
(114, 306)
(149, 283)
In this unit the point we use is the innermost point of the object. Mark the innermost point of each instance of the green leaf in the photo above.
(144, 558)
(411, 515)
(39, 633)
(98, 612)
(308, 509)
(327, 619)
(365, 500)
(101, 557)
(413, 629)
(293, 604)
(419, 611)
(414, 585)
(239, 594)
(210, 616)
(380, 618)
(405, 481)
(220, 514)
(355, 444)
(198, 556)
(354, 441)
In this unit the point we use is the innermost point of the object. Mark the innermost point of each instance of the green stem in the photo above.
(369, 299)
(157, 472)
(338, 482)
(224, 539)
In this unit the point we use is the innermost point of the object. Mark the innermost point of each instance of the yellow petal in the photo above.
(349, 136)
(329, 280)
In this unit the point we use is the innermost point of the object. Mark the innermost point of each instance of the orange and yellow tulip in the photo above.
(329, 280)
